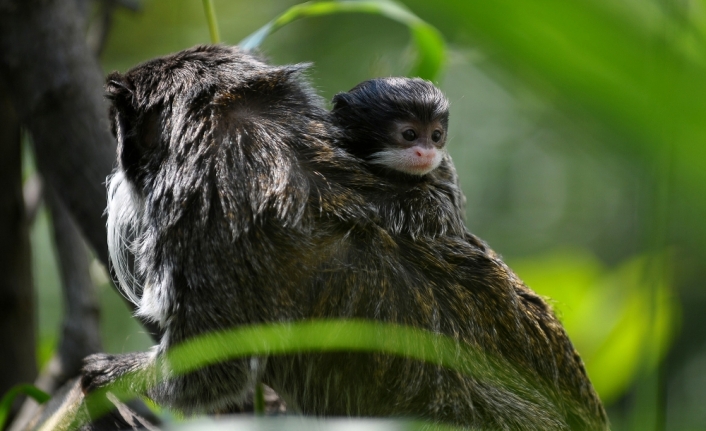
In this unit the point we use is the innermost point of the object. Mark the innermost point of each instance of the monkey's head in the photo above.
(206, 149)
(397, 123)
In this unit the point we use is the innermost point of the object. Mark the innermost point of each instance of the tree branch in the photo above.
(56, 87)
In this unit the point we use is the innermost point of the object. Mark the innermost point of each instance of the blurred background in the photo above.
(578, 131)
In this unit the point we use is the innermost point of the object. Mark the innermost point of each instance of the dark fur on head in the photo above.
(238, 206)
(367, 111)
(428, 205)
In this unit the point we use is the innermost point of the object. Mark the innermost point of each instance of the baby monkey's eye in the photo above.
(409, 135)
(436, 136)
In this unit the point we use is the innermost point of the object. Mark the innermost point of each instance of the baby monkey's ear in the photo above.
(340, 100)
(134, 129)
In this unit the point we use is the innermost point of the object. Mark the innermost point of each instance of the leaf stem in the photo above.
(211, 19)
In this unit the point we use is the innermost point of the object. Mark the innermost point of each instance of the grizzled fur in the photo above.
(233, 204)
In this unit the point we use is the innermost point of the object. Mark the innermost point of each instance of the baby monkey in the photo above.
(398, 127)
(394, 123)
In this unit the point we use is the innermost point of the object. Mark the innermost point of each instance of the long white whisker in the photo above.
(124, 227)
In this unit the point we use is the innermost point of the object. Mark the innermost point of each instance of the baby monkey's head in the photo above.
(398, 123)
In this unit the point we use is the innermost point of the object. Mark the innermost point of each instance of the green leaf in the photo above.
(327, 336)
(319, 335)
(7, 400)
(430, 46)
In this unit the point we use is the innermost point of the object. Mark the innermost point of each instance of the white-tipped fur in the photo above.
(124, 210)
(405, 161)
(156, 298)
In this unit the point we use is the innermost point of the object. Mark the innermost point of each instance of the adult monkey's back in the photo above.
(233, 205)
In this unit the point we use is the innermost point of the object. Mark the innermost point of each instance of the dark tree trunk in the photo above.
(56, 87)
(17, 321)
(80, 335)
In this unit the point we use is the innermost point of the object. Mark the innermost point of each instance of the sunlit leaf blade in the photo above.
(430, 59)
(319, 335)
(330, 336)
(7, 399)
(429, 44)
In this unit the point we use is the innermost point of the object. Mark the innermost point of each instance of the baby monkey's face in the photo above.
(414, 147)
(397, 123)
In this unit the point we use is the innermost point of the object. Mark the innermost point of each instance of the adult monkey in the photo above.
(238, 207)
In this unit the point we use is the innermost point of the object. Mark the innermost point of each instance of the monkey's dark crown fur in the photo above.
(236, 205)
(366, 111)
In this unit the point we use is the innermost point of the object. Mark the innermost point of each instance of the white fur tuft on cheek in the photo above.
(149, 290)
(405, 160)
(125, 209)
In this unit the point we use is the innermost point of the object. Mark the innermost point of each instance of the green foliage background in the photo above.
(577, 128)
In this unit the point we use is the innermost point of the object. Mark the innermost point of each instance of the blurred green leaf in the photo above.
(428, 41)
(46, 346)
(326, 336)
(619, 320)
(7, 399)
(646, 81)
